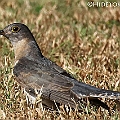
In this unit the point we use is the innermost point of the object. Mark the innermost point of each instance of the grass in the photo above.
(83, 40)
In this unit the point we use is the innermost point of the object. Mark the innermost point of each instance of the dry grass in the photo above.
(84, 41)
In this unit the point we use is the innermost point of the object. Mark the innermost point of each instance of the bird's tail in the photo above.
(85, 90)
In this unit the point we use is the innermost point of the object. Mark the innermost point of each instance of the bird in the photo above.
(40, 76)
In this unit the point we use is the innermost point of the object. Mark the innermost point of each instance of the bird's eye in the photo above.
(15, 29)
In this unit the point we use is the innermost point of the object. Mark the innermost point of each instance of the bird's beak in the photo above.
(2, 32)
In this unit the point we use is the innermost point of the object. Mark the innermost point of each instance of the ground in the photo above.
(82, 39)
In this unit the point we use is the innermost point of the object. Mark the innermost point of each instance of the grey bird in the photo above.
(37, 74)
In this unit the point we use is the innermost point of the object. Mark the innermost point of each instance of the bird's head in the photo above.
(16, 32)
(22, 40)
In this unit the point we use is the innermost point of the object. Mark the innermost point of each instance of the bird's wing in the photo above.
(54, 86)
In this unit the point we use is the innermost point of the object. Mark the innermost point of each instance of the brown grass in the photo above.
(85, 41)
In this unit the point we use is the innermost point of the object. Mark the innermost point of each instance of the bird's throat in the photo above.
(21, 49)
